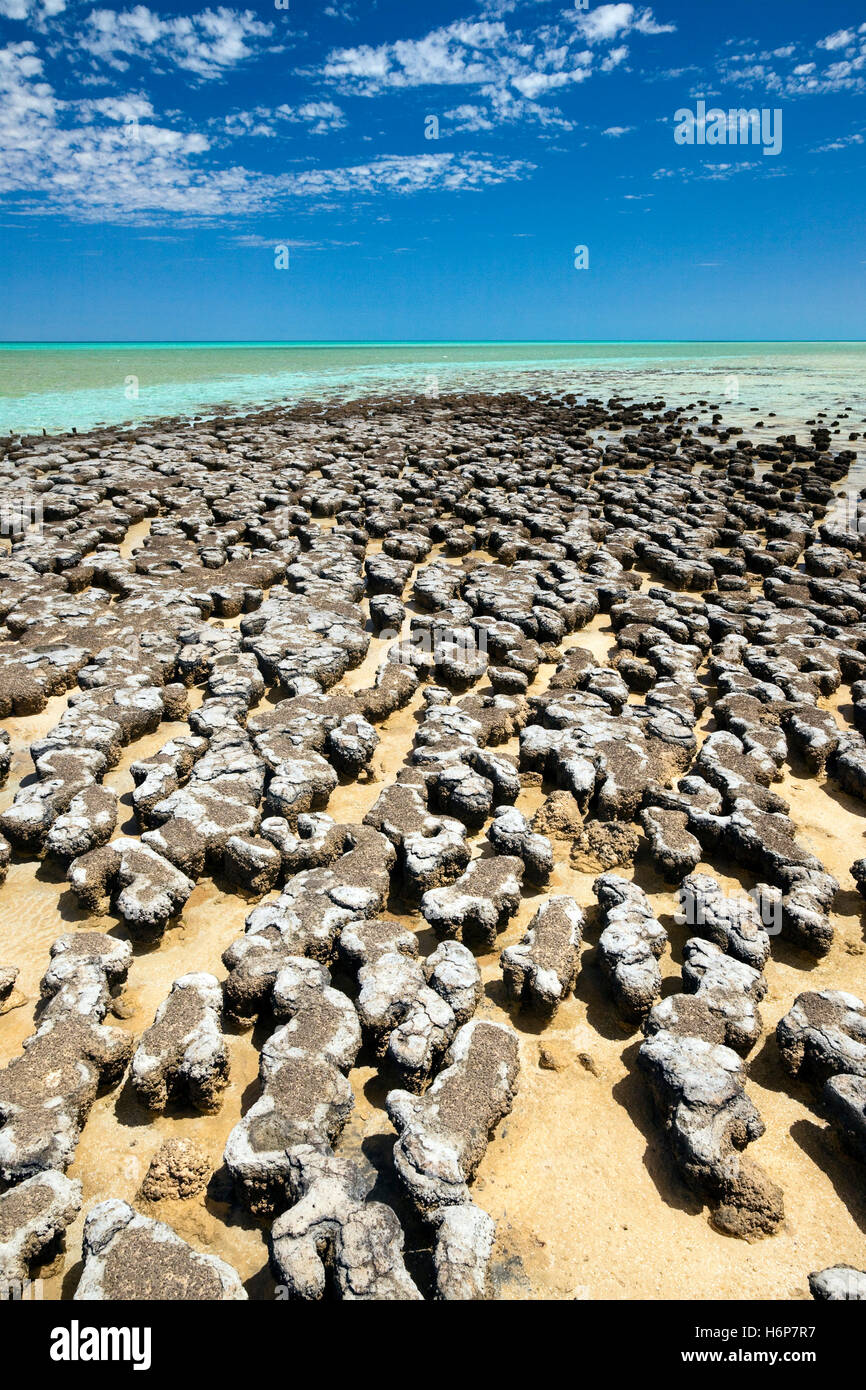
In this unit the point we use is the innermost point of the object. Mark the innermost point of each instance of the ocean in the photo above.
(55, 386)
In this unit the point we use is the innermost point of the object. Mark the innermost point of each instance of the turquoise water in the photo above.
(53, 386)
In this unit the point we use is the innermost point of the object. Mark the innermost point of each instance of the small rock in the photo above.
(555, 1055)
(558, 818)
(179, 1169)
(588, 1062)
(8, 976)
(604, 845)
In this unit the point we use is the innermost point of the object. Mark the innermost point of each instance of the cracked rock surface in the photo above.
(183, 1052)
(128, 1257)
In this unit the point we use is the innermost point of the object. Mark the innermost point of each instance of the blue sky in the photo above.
(153, 158)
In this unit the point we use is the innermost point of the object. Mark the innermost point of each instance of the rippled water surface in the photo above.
(55, 386)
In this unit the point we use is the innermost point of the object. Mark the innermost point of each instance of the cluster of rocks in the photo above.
(541, 970)
(128, 1256)
(630, 946)
(442, 1138)
(47, 1092)
(33, 1215)
(410, 1007)
(477, 537)
(125, 691)
(822, 1041)
(693, 1060)
(348, 879)
(184, 1054)
(695, 1041)
(328, 1232)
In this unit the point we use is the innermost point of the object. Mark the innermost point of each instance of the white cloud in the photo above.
(836, 63)
(254, 242)
(408, 174)
(245, 124)
(713, 173)
(604, 22)
(207, 44)
(36, 11)
(841, 143)
(614, 58)
(467, 119)
(315, 117)
(444, 57)
(840, 39)
(319, 117)
(503, 108)
(115, 162)
(122, 108)
(533, 84)
(488, 55)
(607, 22)
(646, 23)
(617, 130)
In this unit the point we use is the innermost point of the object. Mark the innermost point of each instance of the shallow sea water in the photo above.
(57, 386)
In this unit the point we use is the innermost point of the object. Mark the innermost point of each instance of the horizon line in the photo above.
(400, 342)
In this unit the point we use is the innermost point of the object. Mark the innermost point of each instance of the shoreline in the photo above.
(59, 389)
(310, 409)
